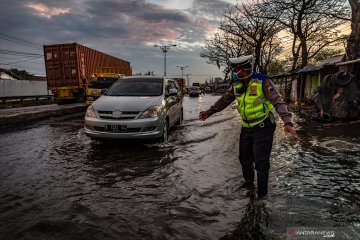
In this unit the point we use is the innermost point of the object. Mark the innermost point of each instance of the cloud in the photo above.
(138, 21)
(129, 21)
(45, 11)
(127, 29)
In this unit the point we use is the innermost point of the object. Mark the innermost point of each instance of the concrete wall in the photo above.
(10, 88)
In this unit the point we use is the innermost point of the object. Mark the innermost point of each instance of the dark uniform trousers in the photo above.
(255, 148)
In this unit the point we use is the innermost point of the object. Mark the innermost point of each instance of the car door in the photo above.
(179, 99)
(171, 102)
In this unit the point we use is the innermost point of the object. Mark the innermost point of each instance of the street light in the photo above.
(187, 77)
(182, 70)
(165, 48)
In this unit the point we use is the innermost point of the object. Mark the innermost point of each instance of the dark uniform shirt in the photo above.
(270, 93)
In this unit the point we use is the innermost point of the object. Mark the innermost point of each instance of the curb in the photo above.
(16, 117)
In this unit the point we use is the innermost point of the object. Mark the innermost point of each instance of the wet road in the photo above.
(55, 183)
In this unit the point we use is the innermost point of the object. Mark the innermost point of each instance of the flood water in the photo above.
(56, 183)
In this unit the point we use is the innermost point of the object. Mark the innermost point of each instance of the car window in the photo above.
(136, 87)
(174, 84)
(167, 87)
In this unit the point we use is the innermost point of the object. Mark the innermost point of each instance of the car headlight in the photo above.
(151, 112)
(90, 112)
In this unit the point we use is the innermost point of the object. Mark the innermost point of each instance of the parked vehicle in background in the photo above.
(194, 91)
(140, 107)
(70, 66)
(222, 88)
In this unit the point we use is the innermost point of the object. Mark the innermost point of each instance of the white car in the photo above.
(142, 107)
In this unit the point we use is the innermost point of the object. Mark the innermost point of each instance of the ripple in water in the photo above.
(338, 146)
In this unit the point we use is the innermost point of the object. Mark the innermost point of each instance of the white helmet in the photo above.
(242, 61)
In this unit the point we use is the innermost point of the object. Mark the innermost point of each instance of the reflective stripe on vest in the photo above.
(253, 107)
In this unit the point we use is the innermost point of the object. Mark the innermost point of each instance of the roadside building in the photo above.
(315, 75)
(326, 87)
(5, 76)
(300, 84)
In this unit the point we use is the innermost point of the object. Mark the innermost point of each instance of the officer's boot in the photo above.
(249, 175)
(262, 182)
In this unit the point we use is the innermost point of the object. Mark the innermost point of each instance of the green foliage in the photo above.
(19, 74)
(277, 67)
(325, 54)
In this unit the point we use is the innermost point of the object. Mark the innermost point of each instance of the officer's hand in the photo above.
(203, 116)
(292, 131)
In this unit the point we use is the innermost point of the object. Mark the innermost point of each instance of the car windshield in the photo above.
(194, 88)
(136, 87)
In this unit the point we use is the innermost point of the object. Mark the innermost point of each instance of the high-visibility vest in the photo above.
(253, 107)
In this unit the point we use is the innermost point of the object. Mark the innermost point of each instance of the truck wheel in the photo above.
(165, 135)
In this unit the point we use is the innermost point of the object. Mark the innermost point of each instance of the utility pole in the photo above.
(182, 70)
(164, 49)
(188, 80)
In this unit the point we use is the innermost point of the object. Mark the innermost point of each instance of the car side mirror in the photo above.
(103, 91)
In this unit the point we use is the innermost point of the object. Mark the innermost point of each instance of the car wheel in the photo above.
(181, 118)
(165, 135)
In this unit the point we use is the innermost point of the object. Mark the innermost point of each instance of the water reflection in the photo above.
(254, 223)
(112, 161)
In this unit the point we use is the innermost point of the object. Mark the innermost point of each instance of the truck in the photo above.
(70, 66)
(101, 80)
(181, 83)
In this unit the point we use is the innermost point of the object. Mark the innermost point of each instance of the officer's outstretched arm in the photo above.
(203, 115)
(292, 131)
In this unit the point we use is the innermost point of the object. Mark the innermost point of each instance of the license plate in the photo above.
(116, 128)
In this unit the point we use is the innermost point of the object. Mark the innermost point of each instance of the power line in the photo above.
(20, 41)
(16, 58)
(16, 53)
(25, 60)
(21, 66)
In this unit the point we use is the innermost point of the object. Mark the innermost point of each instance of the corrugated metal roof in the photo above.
(348, 62)
(308, 68)
(320, 65)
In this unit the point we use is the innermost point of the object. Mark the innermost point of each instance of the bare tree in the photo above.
(313, 24)
(220, 47)
(345, 103)
(256, 31)
(353, 44)
(243, 31)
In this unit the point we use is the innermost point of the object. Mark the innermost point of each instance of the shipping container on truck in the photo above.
(181, 83)
(70, 66)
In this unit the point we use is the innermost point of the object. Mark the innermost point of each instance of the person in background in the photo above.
(259, 105)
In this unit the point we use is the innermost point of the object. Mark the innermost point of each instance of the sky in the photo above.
(127, 29)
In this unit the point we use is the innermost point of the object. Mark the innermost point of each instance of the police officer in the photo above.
(259, 104)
